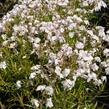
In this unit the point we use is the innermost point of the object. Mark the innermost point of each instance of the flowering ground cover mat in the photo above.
(52, 55)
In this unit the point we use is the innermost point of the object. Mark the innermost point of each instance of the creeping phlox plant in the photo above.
(47, 47)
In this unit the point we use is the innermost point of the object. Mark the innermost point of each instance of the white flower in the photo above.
(71, 34)
(97, 59)
(15, 28)
(82, 27)
(62, 2)
(57, 61)
(107, 31)
(79, 45)
(35, 102)
(85, 55)
(75, 76)
(101, 31)
(71, 26)
(104, 64)
(38, 72)
(67, 50)
(4, 36)
(52, 58)
(103, 78)
(49, 90)
(76, 51)
(18, 84)
(66, 72)
(36, 67)
(85, 3)
(78, 19)
(41, 88)
(107, 71)
(100, 4)
(49, 103)
(92, 35)
(32, 75)
(58, 71)
(5, 43)
(37, 40)
(94, 67)
(53, 39)
(61, 30)
(106, 52)
(98, 82)
(90, 32)
(35, 45)
(12, 45)
(92, 76)
(3, 65)
(68, 84)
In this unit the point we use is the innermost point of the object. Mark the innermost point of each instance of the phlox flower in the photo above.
(32, 75)
(68, 84)
(3, 65)
(41, 88)
(58, 71)
(35, 102)
(94, 67)
(106, 52)
(18, 84)
(100, 4)
(79, 45)
(49, 103)
(49, 90)
(36, 67)
(66, 72)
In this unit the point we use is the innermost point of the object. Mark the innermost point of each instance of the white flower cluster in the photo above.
(97, 4)
(62, 37)
(35, 70)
